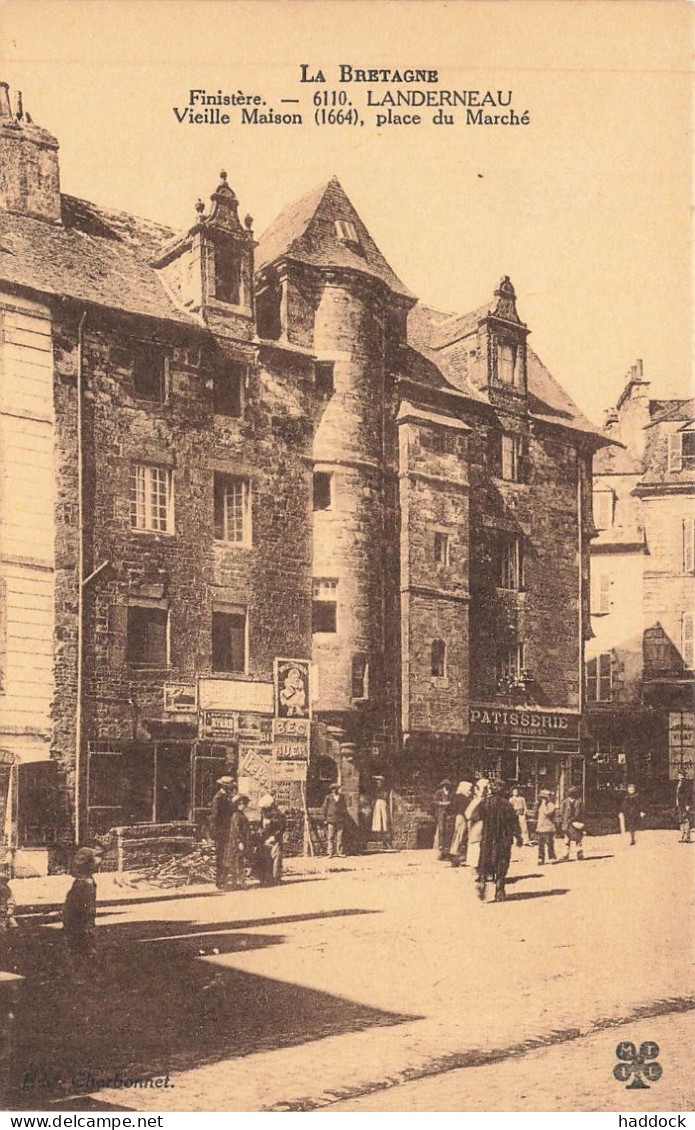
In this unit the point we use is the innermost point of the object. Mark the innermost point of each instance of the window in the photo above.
(149, 373)
(689, 545)
(687, 643)
(345, 231)
(438, 656)
(324, 610)
(603, 509)
(148, 635)
(228, 389)
(600, 593)
(229, 640)
(508, 370)
(232, 509)
(227, 276)
(360, 676)
(324, 377)
(152, 499)
(323, 490)
(599, 678)
(681, 451)
(512, 565)
(512, 458)
(441, 548)
(510, 663)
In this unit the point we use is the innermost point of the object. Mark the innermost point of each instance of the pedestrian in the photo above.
(459, 842)
(474, 824)
(237, 845)
(499, 827)
(79, 914)
(7, 904)
(335, 816)
(381, 815)
(220, 824)
(364, 819)
(684, 806)
(572, 821)
(631, 812)
(518, 804)
(443, 799)
(545, 825)
(272, 831)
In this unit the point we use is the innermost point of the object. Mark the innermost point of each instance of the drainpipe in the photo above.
(80, 585)
(580, 614)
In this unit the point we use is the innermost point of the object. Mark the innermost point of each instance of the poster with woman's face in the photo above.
(292, 688)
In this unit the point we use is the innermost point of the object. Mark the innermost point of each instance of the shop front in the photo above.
(533, 748)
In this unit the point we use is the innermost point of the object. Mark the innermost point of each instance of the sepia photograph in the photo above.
(347, 558)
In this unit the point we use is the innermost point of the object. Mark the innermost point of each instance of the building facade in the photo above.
(640, 681)
(272, 515)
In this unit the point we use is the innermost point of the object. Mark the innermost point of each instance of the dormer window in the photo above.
(227, 276)
(508, 369)
(346, 232)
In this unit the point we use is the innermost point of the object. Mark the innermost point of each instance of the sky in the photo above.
(586, 208)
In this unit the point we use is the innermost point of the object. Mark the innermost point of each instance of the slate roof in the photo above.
(306, 232)
(97, 256)
(434, 335)
(663, 411)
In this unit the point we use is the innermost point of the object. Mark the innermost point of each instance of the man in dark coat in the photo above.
(220, 823)
(684, 806)
(631, 810)
(272, 831)
(336, 816)
(499, 828)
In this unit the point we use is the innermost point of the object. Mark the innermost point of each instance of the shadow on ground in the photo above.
(155, 1002)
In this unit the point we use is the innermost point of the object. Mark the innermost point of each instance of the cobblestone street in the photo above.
(339, 986)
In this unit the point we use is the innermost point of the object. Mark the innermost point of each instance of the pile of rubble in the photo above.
(196, 866)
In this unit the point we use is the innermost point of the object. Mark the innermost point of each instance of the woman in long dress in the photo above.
(381, 816)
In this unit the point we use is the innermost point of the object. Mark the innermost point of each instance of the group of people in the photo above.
(237, 850)
(477, 824)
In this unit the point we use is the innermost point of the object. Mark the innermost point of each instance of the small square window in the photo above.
(228, 389)
(324, 609)
(441, 548)
(324, 374)
(149, 373)
(229, 641)
(323, 490)
(147, 642)
(599, 678)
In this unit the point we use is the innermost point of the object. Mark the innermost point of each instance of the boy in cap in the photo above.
(273, 825)
(80, 910)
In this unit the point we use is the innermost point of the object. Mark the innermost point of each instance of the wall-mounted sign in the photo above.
(292, 694)
(235, 694)
(254, 727)
(512, 720)
(291, 751)
(218, 723)
(289, 771)
(291, 728)
(251, 765)
(180, 698)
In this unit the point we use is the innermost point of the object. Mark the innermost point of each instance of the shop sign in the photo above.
(235, 694)
(292, 691)
(296, 728)
(511, 720)
(180, 698)
(681, 743)
(218, 724)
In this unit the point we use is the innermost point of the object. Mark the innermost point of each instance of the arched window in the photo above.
(438, 659)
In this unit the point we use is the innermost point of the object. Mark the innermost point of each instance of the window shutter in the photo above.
(675, 453)
(688, 647)
(688, 545)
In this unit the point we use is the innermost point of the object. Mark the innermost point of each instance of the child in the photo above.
(79, 912)
(545, 826)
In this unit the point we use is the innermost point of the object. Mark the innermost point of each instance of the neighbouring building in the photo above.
(264, 511)
(640, 662)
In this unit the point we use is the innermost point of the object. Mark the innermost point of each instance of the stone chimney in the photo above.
(633, 411)
(29, 173)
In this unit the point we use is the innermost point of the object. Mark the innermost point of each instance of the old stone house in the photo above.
(640, 689)
(264, 510)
